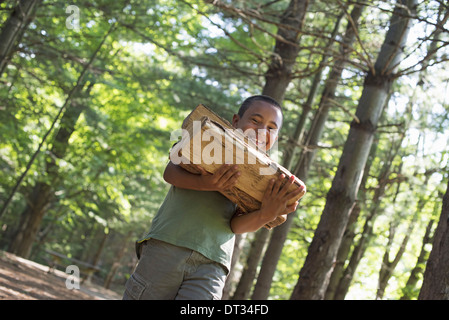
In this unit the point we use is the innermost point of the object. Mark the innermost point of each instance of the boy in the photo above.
(188, 251)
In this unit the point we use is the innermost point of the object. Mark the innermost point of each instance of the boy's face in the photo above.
(261, 123)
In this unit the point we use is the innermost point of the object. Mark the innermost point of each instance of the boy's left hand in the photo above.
(223, 179)
(276, 198)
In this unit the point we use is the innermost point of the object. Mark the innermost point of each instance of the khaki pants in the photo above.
(167, 272)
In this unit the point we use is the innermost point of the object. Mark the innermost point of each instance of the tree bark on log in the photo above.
(209, 142)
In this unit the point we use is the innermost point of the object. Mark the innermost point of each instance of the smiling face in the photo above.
(261, 123)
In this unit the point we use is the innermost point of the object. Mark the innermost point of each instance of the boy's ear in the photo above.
(235, 120)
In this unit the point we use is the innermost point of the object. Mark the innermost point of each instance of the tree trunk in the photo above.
(412, 281)
(328, 95)
(343, 252)
(344, 282)
(293, 141)
(97, 255)
(42, 194)
(387, 268)
(31, 219)
(278, 76)
(279, 235)
(34, 212)
(238, 246)
(76, 88)
(13, 28)
(243, 289)
(436, 277)
(315, 274)
(121, 252)
(279, 73)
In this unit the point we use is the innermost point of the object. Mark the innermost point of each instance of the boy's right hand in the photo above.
(221, 180)
(276, 198)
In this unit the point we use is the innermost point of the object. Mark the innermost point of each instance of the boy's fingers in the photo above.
(222, 170)
(292, 207)
(286, 185)
(229, 179)
(269, 189)
(294, 193)
(277, 184)
(232, 180)
(229, 184)
(220, 173)
(229, 173)
(202, 171)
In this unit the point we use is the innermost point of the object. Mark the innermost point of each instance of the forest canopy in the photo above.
(90, 92)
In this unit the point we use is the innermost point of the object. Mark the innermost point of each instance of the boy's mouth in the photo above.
(258, 138)
(259, 143)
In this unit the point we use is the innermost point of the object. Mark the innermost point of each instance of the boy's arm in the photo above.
(273, 205)
(224, 178)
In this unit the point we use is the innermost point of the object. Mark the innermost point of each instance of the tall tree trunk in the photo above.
(96, 258)
(242, 292)
(278, 76)
(343, 281)
(328, 95)
(388, 266)
(412, 281)
(436, 277)
(315, 274)
(293, 141)
(121, 252)
(42, 194)
(279, 235)
(279, 73)
(343, 252)
(13, 28)
(238, 246)
(75, 89)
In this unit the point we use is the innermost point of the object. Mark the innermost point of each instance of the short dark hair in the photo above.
(248, 101)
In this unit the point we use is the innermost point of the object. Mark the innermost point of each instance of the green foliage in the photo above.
(164, 58)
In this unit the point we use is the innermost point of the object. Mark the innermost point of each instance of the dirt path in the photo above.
(22, 279)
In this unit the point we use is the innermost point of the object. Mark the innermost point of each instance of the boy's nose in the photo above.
(263, 134)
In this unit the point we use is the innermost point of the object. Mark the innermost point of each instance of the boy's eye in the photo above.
(273, 131)
(255, 121)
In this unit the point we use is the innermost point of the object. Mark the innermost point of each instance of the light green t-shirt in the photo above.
(197, 220)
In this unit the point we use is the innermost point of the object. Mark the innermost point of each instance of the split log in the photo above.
(209, 141)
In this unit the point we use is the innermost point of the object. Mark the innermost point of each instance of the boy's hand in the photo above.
(276, 197)
(223, 179)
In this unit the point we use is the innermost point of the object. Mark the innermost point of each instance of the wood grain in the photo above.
(212, 141)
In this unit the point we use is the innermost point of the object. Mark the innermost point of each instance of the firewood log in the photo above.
(209, 141)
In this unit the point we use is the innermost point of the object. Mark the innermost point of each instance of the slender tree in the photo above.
(341, 279)
(13, 29)
(42, 192)
(315, 274)
(418, 270)
(277, 78)
(279, 235)
(436, 277)
(388, 265)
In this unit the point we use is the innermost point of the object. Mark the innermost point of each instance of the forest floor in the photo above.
(22, 279)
